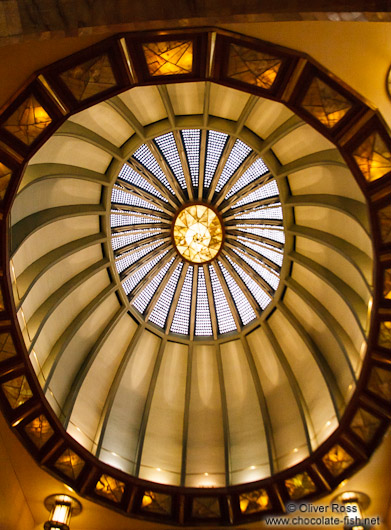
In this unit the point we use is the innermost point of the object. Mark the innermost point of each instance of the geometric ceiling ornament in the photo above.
(39, 431)
(325, 103)
(254, 501)
(169, 58)
(373, 157)
(28, 121)
(110, 488)
(337, 460)
(205, 508)
(7, 348)
(90, 78)
(384, 338)
(387, 284)
(300, 486)
(5, 176)
(252, 67)
(365, 425)
(380, 383)
(17, 391)
(384, 217)
(198, 234)
(70, 464)
(156, 503)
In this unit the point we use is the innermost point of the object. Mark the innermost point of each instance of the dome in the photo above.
(192, 267)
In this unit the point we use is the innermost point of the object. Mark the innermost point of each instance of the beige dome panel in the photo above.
(267, 116)
(301, 142)
(187, 99)
(145, 104)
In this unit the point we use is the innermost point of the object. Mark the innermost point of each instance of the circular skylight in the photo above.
(171, 204)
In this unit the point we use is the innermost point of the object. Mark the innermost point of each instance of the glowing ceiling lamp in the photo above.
(61, 508)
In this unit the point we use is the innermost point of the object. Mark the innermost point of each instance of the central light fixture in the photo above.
(198, 233)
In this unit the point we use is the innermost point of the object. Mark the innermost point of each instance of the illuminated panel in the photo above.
(117, 219)
(191, 140)
(256, 170)
(252, 67)
(119, 196)
(268, 190)
(203, 325)
(198, 234)
(215, 146)
(264, 250)
(162, 307)
(181, 320)
(264, 213)
(239, 153)
(128, 238)
(129, 259)
(169, 58)
(167, 146)
(225, 319)
(5, 176)
(373, 157)
(131, 176)
(325, 103)
(130, 283)
(28, 121)
(261, 269)
(245, 310)
(259, 294)
(270, 232)
(143, 299)
(89, 78)
(300, 486)
(146, 158)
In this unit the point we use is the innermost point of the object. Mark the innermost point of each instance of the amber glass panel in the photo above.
(2, 307)
(5, 176)
(337, 460)
(169, 58)
(300, 486)
(110, 488)
(252, 67)
(7, 348)
(90, 78)
(365, 425)
(70, 464)
(206, 507)
(384, 338)
(373, 157)
(384, 216)
(156, 503)
(380, 383)
(324, 103)
(28, 121)
(198, 234)
(387, 284)
(254, 501)
(39, 431)
(17, 391)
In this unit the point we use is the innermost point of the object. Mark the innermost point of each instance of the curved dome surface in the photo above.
(192, 409)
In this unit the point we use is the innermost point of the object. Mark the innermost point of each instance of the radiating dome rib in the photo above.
(167, 146)
(133, 177)
(144, 155)
(191, 140)
(257, 169)
(239, 153)
(160, 311)
(215, 146)
(143, 299)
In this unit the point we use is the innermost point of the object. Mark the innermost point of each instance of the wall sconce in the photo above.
(61, 507)
(355, 503)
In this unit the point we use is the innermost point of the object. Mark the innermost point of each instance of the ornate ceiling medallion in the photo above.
(197, 233)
